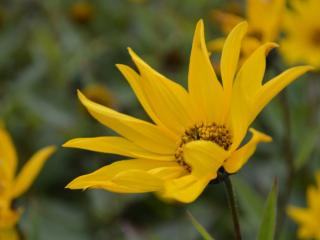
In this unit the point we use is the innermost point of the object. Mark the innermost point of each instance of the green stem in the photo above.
(233, 207)
(288, 154)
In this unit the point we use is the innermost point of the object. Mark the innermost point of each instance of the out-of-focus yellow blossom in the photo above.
(308, 218)
(100, 94)
(301, 43)
(9, 234)
(13, 185)
(195, 133)
(264, 18)
(82, 11)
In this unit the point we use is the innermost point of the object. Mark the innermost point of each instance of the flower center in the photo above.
(213, 132)
(315, 37)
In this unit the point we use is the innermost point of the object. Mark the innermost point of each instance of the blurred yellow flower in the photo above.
(9, 234)
(264, 18)
(195, 134)
(302, 33)
(100, 94)
(308, 218)
(82, 11)
(12, 186)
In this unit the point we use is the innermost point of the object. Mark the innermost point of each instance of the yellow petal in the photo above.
(250, 76)
(8, 157)
(266, 16)
(8, 218)
(313, 198)
(229, 59)
(273, 87)
(144, 134)
(9, 234)
(116, 145)
(300, 215)
(134, 79)
(204, 87)
(241, 156)
(205, 158)
(31, 170)
(129, 176)
(169, 100)
(185, 189)
(247, 83)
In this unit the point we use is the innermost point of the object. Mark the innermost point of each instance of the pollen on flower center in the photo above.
(315, 37)
(213, 132)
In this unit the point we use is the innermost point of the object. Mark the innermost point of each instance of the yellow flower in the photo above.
(264, 17)
(195, 133)
(308, 218)
(9, 234)
(302, 33)
(82, 11)
(12, 186)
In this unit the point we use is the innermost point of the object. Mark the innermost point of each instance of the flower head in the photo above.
(308, 218)
(302, 33)
(13, 186)
(264, 18)
(195, 132)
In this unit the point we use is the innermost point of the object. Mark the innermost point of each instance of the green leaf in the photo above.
(268, 223)
(203, 232)
(251, 202)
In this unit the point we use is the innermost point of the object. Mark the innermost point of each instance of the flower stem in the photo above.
(284, 199)
(232, 206)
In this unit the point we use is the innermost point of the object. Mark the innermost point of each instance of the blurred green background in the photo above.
(50, 48)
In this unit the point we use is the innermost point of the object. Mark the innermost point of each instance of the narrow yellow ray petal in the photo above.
(273, 87)
(265, 17)
(204, 87)
(116, 145)
(9, 234)
(144, 134)
(168, 99)
(230, 57)
(129, 176)
(185, 189)
(300, 215)
(31, 170)
(205, 158)
(250, 76)
(134, 80)
(247, 83)
(238, 158)
(8, 218)
(313, 197)
(8, 156)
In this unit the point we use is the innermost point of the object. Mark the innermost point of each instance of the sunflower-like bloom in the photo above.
(12, 186)
(264, 18)
(302, 33)
(308, 218)
(195, 133)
